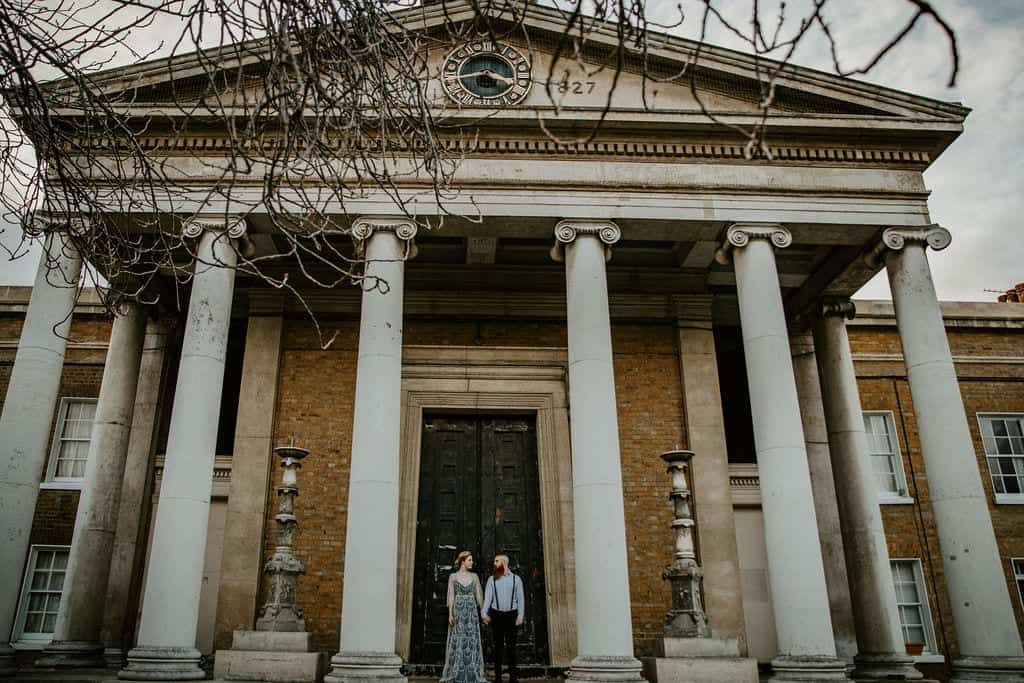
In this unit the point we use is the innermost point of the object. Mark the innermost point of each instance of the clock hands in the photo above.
(489, 73)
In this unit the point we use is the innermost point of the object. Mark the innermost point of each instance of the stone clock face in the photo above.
(484, 74)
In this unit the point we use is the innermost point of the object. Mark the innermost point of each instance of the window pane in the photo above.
(56, 581)
(37, 602)
(49, 622)
(60, 559)
(44, 559)
(78, 468)
(33, 622)
(914, 617)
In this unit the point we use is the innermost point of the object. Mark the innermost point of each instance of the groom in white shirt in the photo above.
(504, 608)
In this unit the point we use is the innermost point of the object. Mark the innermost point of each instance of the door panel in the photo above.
(479, 491)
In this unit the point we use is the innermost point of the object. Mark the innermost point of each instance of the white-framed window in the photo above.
(70, 447)
(1017, 564)
(40, 595)
(886, 461)
(912, 602)
(1002, 435)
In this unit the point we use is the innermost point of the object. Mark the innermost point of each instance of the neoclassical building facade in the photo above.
(512, 388)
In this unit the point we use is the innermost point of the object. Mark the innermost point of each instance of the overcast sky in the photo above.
(978, 183)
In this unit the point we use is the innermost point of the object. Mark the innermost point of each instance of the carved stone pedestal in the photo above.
(280, 649)
(699, 660)
(275, 656)
(689, 652)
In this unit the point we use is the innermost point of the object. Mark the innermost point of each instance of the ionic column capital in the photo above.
(404, 229)
(738, 235)
(837, 307)
(895, 239)
(568, 230)
(234, 227)
(43, 223)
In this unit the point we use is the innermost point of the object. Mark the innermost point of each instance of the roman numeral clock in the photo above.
(484, 73)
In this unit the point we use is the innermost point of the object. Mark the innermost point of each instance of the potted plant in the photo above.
(914, 649)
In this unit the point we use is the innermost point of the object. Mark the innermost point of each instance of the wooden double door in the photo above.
(479, 491)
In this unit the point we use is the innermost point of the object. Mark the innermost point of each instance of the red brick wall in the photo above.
(315, 402)
(649, 397)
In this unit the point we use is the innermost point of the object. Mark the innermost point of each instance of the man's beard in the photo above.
(498, 571)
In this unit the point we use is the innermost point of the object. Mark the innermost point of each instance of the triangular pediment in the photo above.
(721, 81)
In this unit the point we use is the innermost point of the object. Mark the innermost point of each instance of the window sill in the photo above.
(61, 486)
(29, 644)
(929, 658)
(895, 500)
(1010, 498)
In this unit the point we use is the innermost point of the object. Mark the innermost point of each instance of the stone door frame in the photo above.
(494, 380)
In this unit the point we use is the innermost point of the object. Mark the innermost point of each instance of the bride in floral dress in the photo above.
(464, 655)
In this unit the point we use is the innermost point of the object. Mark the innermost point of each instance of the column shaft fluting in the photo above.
(604, 629)
(76, 638)
(170, 606)
(876, 618)
(803, 626)
(28, 414)
(978, 594)
(369, 594)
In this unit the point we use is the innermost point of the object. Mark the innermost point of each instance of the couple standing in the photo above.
(502, 606)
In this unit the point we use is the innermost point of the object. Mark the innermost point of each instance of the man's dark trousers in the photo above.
(503, 627)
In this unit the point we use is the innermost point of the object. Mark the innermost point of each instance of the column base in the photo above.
(792, 668)
(114, 657)
(72, 654)
(597, 669)
(893, 666)
(7, 665)
(988, 669)
(363, 667)
(157, 663)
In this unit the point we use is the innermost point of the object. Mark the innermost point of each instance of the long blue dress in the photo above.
(464, 654)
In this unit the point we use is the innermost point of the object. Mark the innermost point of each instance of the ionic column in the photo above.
(875, 615)
(28, 413)
(369, 593)
(990, 645)
(604, 630)
(812, 415)
(166, 640)
(76, 638)
(803, 626)
(128, 555)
